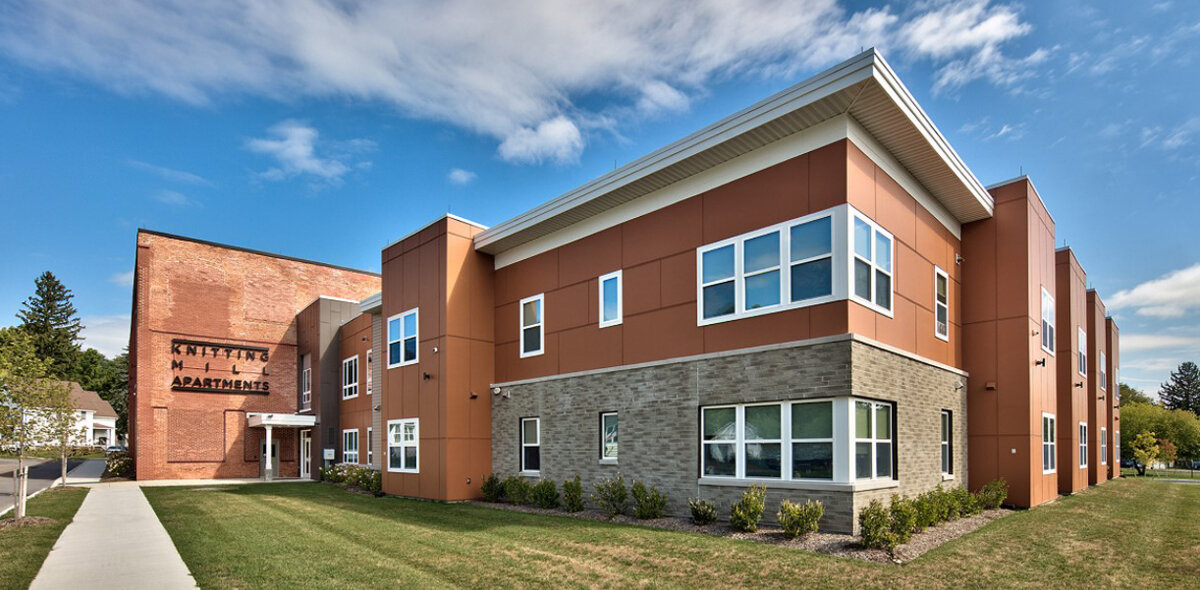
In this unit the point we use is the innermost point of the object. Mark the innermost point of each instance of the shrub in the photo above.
(492, 488)
(346, 475)
(611, 495)
(875, 527)
(799, 519)
(572, 495)
(119, 465)
(545, 494)
(703, 511)
(745, 513)
(648, 503)
(904, 518)
(961, 503)
(927, 511)
(517, 489)
(993, 494)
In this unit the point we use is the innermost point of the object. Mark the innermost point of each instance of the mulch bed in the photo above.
(839, 545)
(16, 523)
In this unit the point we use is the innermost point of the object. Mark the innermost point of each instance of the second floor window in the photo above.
(1082, 352)
(402, 339)
(872, 274)
(306, 382)
(532, 326)
(350, 377)
(1047, 321)
(610, 299)
(1103, 372)
(941, 303)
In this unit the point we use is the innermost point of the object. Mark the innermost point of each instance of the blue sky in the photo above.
(326, 130)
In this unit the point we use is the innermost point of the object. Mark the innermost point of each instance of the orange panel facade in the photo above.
(1073, 339)
(1099, 385)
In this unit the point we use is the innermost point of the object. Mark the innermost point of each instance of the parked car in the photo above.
(1128, 463)
(116, 449)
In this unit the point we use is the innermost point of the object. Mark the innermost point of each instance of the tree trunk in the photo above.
(19, 487)
(64, 468)
(1141, 469)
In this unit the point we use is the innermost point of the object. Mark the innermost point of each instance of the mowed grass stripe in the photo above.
(22, 550)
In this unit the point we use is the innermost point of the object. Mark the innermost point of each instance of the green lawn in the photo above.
(1127, 533)
(22, 550)
(1164, 473)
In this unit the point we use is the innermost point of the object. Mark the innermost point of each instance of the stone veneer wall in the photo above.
(659, 409)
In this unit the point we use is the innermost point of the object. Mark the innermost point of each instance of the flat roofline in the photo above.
(253, 251)
(427, 225)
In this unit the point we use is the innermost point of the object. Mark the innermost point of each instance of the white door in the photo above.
(305, 454)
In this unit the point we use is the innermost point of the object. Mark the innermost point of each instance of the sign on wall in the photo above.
(213, 367)
(329, 454)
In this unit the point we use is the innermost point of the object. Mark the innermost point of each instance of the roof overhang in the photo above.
(372, 304)
(864, 88)
(254, 420)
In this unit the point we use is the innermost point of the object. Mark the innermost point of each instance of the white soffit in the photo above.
(863, 87)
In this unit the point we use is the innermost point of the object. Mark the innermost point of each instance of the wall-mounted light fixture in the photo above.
(495, 391)
(425, 376)
(958, 386)
(1079, 384)
(958, 258)
(1041, 362)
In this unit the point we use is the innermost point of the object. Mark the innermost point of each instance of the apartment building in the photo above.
(814, 293)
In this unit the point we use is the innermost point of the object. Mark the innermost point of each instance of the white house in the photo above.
(98, 420)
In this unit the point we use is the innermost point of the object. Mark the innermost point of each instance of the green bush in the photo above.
(904, 518)
(875, 527)
(648, 502)
(611, 495)
(962, 503)
(492, 488)
(119, 465)
(545, 494)
(745, 513)
(993, 494)
(347, 475)
(927, 512)
(799, 519)
(517, 489)
(572, 495)
(703, 511)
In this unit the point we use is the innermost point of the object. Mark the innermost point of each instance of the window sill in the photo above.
(947, 477)
(390, 470)
(608, 461)
(530, 473)
(831, 486)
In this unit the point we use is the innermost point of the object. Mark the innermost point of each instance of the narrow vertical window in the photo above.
(610, 299)
(402, 338)
(872, 274)
(350, 378)
(811, 256)
(370, 370)
(1103, 372)
(531, 445)
(608, 436)
(1103, 446)
(306, 382)
(1117, 448)
(370, 446)
(1082, 352)
(717, 282)
(1047, 322)
(532, 326)
(350, 446)
(762, 282)
(764, 441)
(873, 440)
(1083, 444)
(947, 445)
(403, 445)
(941, 304)
(812, 440)
(719, 453)
(1049, 448)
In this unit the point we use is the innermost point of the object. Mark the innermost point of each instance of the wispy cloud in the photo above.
(1169, 296)
(536, 76)
(175, 198)
(460, 177)
(124, 279)
(108, 334)
(169, 173)
(293, 145)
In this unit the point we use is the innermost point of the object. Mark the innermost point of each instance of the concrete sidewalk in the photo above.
(115, 541)
(87, 473)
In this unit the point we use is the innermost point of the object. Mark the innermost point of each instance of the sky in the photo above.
(327, 129)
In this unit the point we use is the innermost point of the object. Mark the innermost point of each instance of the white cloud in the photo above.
(293, 145)
(534, 75)
(169, 173)
(1145, 342)
(1169, 296)
(124, 279)
(108, 334)
(175, 198)
(460, 177)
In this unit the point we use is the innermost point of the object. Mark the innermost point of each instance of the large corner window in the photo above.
(306, 382)
(1103, 446)
(1049, 448)
(782, 441)
(533, 326)
(402, 338)
(1082, 352)
(1047, 322)
(1103, 372)
(941, 304)
(872, 440)
(1083, 444)
(780, 267)
(350, 378)
(531, 445)
(610, 299)
(403, 444)
(608, 436)
(350, 446)
(947, 445)
(872, 274)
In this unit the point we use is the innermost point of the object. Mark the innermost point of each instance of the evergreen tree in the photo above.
(1182, 390)
(1130, 396)
(48, 316)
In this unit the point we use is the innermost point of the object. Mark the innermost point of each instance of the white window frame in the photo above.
(1117, 450)
(370, 446)
(874, 439)
(350, 389)
(838, 446)
(416, 336)
(938, 331)
(1048, 326)
(346, 452)
(537, 422)
(1103, 446)
(1083, 445)
(403, 444)
(306, 388)
(838, 228)
(1050, 445)
(876, 231)
(1103, 371)
(370, 371)
(604, 455)
(612, 276)
(1083, 356)
(540, 298)
(947, 443)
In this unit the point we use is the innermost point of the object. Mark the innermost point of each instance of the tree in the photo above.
(1182, 390)
(1130, 395)
(1145, 451)
(24, 391)
(1166, 451)
(108, 378)
(1180, 427)
(48, 316)
(61, 419)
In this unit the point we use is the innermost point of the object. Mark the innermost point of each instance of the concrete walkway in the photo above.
(115, 541)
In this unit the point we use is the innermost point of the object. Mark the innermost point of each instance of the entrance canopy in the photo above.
(284, 420)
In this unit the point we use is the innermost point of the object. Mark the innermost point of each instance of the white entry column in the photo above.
(269, 459)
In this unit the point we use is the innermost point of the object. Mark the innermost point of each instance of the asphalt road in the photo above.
(41, 476)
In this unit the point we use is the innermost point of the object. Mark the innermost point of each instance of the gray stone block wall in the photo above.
(659, 414)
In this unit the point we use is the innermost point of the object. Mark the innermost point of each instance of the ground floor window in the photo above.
(370, 447)
(872, 440)
(1049, 448)
(531, 445)
(350, 446)
(1083, 444)
(1103, 446)
(947, 446)
(608, 436)
(403, 444)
